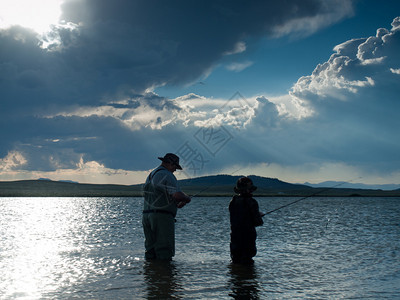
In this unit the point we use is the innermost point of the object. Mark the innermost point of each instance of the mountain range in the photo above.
(215, 185)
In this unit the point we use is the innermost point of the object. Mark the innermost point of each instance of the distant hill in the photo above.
(344, 184)
(216, 185)
(230, 180)
(225, 183)
(48, 188)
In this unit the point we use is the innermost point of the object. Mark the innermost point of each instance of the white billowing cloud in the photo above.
(329, 80)
(135, 113)
(358, 67)
(237, 117)
(192, 101)
(262, 116)
(133, 118)
(395, 71)
(12, 161)
(239, 66)
(88, 168)
(189, 110)
(236, 112)
(290, 106)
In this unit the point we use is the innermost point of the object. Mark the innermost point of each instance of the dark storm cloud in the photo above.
(118, 46)
(147, 43)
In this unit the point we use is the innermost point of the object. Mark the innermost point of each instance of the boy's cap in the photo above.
(243, 184)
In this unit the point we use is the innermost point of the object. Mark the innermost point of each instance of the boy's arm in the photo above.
(257, 215)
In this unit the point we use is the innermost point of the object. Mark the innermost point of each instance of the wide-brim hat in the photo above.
(171, 158)
(244, 184)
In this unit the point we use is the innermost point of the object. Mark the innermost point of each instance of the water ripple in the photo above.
(93, 248)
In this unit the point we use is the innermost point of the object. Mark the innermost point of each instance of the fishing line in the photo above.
(312, 195)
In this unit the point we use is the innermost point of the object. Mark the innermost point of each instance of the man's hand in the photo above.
(181, 199)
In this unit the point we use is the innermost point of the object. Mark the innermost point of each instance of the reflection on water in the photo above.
(161, 280)
(243, 282)
(58, 246)
(36, 235)
(93, 248)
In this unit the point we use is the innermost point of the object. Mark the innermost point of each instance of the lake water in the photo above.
(92, 248)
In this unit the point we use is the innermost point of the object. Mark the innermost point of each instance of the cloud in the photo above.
(359, 66)
(83, 92)
(82, 171)
(351, 99)
(13, 160)
(135, 112)
(238, 66)
(341, 121)
(103, 48)
(239, 47)
(303, 24)
(395, 71)
(154, 112)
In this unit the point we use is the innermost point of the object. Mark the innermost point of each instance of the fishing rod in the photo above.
(306, 197)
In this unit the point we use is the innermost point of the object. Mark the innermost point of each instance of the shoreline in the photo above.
(42, 188)
(218, 195)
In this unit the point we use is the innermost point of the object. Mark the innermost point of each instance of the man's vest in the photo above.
(156, 196)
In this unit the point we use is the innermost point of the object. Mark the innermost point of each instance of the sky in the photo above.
(94, 91)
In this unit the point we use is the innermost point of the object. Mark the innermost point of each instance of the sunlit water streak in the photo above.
(92, 248)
